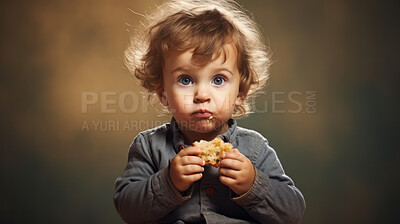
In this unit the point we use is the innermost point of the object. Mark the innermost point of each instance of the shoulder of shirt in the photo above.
(156, 131)
(250, 135)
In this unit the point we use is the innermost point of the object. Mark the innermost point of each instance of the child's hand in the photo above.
(186, 168)
(237, 172)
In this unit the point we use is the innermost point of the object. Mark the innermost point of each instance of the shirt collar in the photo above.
(179, 140)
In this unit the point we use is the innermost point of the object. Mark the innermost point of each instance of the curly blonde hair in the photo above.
(205, 26)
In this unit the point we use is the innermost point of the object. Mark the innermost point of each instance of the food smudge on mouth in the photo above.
(209, 119)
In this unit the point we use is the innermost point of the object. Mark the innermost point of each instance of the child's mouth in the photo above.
(202, 114)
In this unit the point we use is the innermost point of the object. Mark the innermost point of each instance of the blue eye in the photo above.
(184, 80)
(218, 80)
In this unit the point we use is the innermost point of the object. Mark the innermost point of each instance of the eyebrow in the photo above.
(178, 69)
(225, 69)
(186, 70)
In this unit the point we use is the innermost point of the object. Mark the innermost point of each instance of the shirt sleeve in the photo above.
(143, 194)
(273, 197)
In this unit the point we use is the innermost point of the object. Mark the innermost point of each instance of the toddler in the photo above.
(203, 60)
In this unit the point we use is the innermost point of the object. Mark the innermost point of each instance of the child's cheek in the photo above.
(223, 100)
(182, 102)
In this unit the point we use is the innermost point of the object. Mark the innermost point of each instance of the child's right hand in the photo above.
(186, 168)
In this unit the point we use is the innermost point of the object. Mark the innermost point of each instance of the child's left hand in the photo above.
(237, 172)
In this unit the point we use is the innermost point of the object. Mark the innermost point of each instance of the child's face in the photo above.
(196, 93)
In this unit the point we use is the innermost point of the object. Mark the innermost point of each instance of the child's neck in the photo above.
(191, 136)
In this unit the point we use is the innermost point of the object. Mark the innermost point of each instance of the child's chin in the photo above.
(200, 126)
(205, 127)
(203, 130)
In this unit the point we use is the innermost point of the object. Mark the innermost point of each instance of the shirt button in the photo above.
(209, 191)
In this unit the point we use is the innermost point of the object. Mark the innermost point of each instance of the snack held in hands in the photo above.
(212, 151)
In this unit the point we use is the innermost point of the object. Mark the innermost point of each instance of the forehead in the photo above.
(226, 57)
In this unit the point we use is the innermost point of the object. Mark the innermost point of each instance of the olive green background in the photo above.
(343, 157)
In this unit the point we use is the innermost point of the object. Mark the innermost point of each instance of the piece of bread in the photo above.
(212, 151)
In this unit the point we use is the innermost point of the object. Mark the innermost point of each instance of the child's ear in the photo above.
(163, 98)
(240, 98)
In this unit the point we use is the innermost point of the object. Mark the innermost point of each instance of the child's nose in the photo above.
(202, 95)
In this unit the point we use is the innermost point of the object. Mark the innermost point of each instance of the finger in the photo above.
(194, 160)
(234, 155)
(231, 164)
(192, 169)
(229, 173)
(194, 151)
(227, 180)
(193, 177)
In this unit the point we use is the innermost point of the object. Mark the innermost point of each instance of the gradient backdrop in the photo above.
(330, 109)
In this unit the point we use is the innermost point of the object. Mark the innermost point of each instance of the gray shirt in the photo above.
(145, 194)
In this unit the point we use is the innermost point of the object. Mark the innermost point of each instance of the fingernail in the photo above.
(224, 155)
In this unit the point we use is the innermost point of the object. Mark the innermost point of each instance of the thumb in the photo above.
(235, 150)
